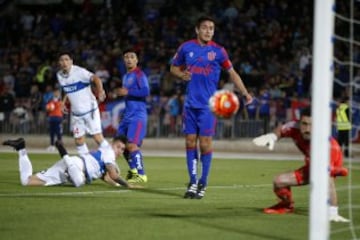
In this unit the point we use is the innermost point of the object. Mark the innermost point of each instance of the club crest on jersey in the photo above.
(129, 81)
(211, 55)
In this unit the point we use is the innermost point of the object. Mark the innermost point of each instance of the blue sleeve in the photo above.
(178, 59)
(141, 92)
(142, 89)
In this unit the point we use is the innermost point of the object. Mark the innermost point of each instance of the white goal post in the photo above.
(322, 86)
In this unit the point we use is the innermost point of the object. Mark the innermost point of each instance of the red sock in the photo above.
(284, 194)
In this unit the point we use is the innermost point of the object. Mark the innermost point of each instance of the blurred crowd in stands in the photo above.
(269, 43)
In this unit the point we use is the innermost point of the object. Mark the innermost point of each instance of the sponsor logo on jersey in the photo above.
(75, 87)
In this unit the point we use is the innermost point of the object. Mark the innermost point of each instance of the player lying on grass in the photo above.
(300, 132)
(78, 170)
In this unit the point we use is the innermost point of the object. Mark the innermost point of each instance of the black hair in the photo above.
(128, 50)
(306, 112)
(203, 19)
(66, 53)
(121, 138)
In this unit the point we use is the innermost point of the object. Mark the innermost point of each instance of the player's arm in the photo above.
(112, 176)
(178, 71)
(101, 95)
(235, 77)
(65, 104)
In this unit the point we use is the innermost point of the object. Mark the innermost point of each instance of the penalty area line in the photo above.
(37, 194)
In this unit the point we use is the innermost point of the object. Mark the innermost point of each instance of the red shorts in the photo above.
(336, 169)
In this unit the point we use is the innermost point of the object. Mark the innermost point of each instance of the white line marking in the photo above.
(120, 191)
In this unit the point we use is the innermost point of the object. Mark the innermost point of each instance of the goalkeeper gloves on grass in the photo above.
(266, 140)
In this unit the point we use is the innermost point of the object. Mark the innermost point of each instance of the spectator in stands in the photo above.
(55, 118)
(7, 104)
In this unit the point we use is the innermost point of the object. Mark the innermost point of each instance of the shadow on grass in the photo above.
(202, 220)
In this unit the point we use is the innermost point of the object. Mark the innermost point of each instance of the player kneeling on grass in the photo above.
(78, 170)
(300, 132)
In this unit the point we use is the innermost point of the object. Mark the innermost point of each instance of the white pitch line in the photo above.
(121, 191)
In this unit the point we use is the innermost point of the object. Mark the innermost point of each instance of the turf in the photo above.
(231, 209)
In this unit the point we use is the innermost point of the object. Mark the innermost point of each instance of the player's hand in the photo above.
(266, 140)
(65, 108)
(249, 99)
(186, 75)
(338, 218)
(134, 186)
(122, 91)
(101, 95)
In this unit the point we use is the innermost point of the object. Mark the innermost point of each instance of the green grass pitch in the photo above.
(231, 209)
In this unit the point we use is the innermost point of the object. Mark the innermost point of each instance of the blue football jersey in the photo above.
(205, 63)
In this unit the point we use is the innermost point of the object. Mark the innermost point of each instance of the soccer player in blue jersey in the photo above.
(199, 63)
(135, 89)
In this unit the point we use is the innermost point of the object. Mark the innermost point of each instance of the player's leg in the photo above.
(76, 170)
(282, 188)
(25, 166)
(135, 135)
(122, 130)
(93, 122)
(79, 130)
(191, 133)
(54, 175)
(207, 123)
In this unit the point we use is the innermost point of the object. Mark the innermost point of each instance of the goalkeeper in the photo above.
(300, 132)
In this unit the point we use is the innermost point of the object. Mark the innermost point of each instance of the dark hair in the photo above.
(121, 138)
(128, 50)
(65, 53)
(306, 112)
(203, 19)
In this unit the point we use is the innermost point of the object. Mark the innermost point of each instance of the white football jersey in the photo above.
(96, 161)
(76, 85)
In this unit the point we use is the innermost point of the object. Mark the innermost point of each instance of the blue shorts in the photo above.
(134, 130)
(199, 121)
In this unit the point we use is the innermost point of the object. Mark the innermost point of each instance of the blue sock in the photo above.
(206, 164)
(191, 160)
(136, 161)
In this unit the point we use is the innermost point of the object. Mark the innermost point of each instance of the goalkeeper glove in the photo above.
(266, 140)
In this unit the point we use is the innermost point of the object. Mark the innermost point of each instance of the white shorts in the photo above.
(57, 174)
(88, 123)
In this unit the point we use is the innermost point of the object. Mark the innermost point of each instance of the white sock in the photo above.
(25, 167)
(333, 211)
(82, 149)
(104, 144)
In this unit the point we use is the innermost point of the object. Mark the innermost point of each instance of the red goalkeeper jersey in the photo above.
(292, 130)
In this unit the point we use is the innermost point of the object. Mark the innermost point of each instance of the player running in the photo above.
(135, 89)
(199, 63)
(300, 132)
(78, 170)
(76, 82)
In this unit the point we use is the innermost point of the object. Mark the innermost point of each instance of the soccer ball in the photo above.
(224, 104)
